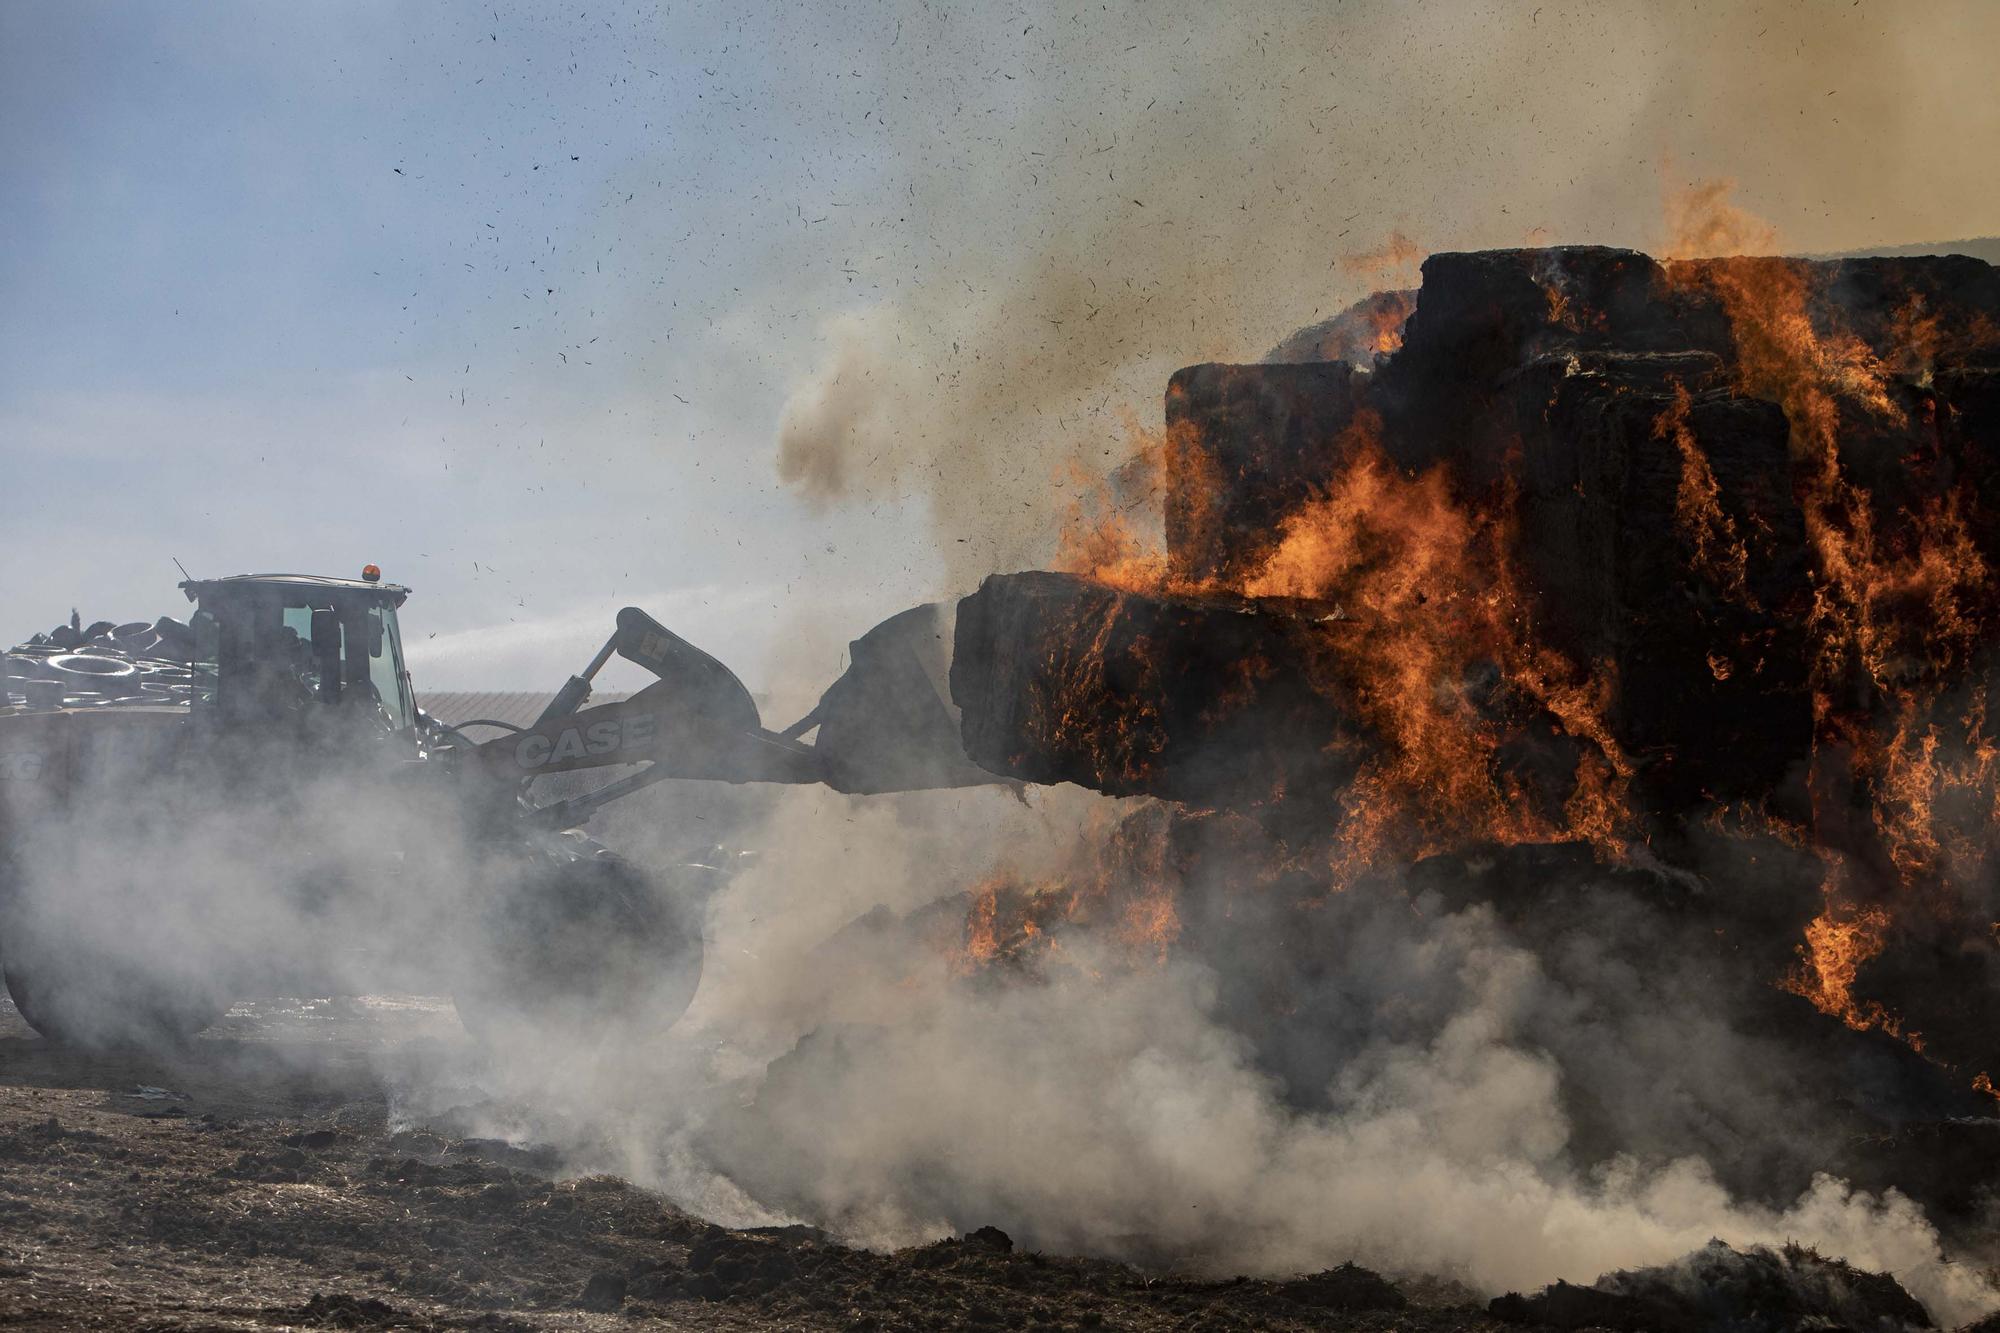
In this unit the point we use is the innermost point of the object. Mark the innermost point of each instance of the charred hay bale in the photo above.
(1249, 444)
(1967, 414)
(1211, 701)
(1945, 306)
(1496, 308)
(1938, 310)
(1482, 316)
(1369, 329)
(1658, 534)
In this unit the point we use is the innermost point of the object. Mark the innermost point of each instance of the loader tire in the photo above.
(586, 951)
(77, 991)
(79, 997)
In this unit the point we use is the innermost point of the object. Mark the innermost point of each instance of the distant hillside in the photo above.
(1979, 247)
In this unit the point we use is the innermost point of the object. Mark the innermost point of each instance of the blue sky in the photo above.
(513, 301)
(305, 286)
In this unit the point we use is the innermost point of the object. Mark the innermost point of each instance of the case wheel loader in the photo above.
(288, 826)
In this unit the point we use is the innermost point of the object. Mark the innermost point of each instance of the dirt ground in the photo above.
(254, 1182)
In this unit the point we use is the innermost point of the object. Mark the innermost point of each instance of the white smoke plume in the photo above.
(838, 1069)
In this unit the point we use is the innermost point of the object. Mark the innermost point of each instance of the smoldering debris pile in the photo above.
(1757, 1290)
(101, 664)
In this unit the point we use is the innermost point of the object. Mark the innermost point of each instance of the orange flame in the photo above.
(1702, 221)
(1720, 555)
(1835, 949)
(1119, 876)
(1429, 586)
(1891, 614)
(1397, 255)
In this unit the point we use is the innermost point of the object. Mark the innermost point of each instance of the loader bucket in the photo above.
(886, 724)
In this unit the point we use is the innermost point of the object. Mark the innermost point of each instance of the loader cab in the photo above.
(324, 655)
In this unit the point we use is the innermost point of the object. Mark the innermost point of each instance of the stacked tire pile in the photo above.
(101, 665)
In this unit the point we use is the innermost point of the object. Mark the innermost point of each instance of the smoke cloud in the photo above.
(1504, 1103)
(1500, 1098)
(1084, 201)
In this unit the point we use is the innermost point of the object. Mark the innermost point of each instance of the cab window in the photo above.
(385, 665)
(281, 655)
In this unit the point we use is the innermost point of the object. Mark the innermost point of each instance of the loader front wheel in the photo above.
(80, 997)
(583, 950)
(105, 972)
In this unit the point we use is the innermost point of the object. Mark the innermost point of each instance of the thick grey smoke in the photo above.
(1434, 1096)
(1078, 202)
(838, 1068)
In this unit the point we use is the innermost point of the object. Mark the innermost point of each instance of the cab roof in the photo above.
(392, 593)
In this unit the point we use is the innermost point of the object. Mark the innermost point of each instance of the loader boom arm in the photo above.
(883, 726)
(656, 726)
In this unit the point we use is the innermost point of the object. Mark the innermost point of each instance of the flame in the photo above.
(1702, 221)
(1836, 948)
(1429, 586)
(1098, 537)
(1119, 876)
(1396, 255)
(1110, 550)
(1434, 649)
(1387, 314)
(1823, 379)
(1009, 923)
(982, 945)
(1720, 555)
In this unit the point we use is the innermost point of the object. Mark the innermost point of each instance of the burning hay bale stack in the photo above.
(1625, 423)
(1595, 551)
(104, 663)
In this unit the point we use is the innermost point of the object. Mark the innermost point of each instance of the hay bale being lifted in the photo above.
(1211, 701)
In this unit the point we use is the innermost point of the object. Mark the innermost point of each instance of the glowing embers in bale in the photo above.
(1891, 468)
(1120, 885)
